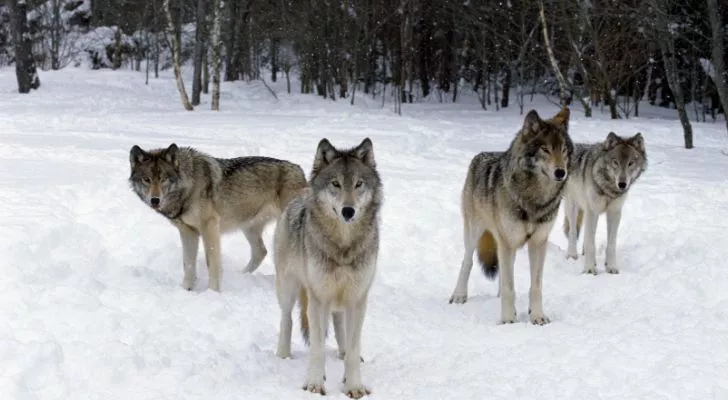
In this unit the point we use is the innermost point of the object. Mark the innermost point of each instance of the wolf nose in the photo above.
(347, 213)
(560, 174)
(154, 201)
(622, 185)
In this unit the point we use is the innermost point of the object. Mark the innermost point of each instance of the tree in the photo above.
(176, 63)
(216, 17)
(719, 74)
(199, 52)
(665, 37)
(25, 69)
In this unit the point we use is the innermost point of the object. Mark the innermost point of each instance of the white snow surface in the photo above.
(91, 305)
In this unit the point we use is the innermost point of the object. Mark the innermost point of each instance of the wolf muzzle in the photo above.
(348, 213)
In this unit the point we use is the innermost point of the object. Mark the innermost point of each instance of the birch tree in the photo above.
(215, 39)
(176, 50)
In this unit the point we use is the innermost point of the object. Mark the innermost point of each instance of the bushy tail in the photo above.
(303, 314)
(579, 221)
(488, 255)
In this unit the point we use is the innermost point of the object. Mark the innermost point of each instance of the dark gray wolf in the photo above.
(207, 196)
(326, 246)
(511, 198)
(601, 176)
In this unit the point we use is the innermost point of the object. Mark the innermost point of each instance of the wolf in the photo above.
(602, 174)
(206, 196)
(326, 246)
(510, 199)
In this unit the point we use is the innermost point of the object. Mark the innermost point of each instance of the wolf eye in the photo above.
(358, 184)
(336, 184)
(545, 150)
(615, 162)
(147, 180)
(631, 163)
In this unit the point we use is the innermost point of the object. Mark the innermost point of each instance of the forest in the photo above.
(602, 54)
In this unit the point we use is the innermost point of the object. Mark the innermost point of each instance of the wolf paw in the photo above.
(188, 284)
(572, 256)
(509, 318)
(590, 270)
(357, 391)
(539, 319)
(459, 298)
(283, 354)
(342, 356)
(315, 386)
(213, 286)
(611, 270)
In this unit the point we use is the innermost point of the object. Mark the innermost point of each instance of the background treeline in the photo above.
(602, 54)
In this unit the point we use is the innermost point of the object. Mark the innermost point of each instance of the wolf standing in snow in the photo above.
(326, 246)
(602, 174)
(509, 199)
(206, 196)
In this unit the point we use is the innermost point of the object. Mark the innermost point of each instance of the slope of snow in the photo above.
(91, 305)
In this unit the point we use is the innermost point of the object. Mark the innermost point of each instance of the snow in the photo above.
(90, 299)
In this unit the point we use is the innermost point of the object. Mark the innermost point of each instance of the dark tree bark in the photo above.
(718, 55)
(199, 52)
(25, 69)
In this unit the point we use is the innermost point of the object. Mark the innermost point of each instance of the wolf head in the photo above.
(544, 146)
(624, 160)
(346, 182)
(154, 174)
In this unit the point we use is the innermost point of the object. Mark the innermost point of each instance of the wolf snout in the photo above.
(155, 201)
(560, 174)
(622, 185)
(348, 213)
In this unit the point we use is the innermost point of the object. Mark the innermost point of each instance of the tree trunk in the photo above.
(720, 79)
(217, 15)
(274, 60)
(205, 71)
(667, 47)
(176, 58)
(56, 35)
(25, 70)
(117, 50)
(199, 45)
(552, 58)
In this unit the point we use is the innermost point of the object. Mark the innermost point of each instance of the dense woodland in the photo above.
(603, 54)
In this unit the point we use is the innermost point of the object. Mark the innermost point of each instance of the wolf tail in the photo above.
(579, 221)
(303, 314)
(488, 255)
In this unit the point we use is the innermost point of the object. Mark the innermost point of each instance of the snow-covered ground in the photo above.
(91, 305)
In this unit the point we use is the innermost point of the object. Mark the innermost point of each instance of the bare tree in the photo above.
(563, 100)
(176, 58)
(199, 52)
(25, 69)
(215, 39)
(719, 73)
(665, 37)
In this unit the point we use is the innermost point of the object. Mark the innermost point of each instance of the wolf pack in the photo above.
(326, 240)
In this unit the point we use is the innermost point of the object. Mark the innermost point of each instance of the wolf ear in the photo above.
(170, 154)
(562, 117)
(365, 152)
(531, 124)
(638, 142)
(611, 141)
(325, 154)
(137, 156)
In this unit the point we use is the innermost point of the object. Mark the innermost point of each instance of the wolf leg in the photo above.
(254, 234)
(506, 258)
(211, 240)
(470, 240)
(353, 385)
(590, 252)
(286, 292)
(190, 245)
(572, 212)
(340, 332)
(318, 314)
(536, 258)
(613, 219)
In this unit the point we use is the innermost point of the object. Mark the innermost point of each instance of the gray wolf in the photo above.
(601, 176)
(207, 196)
(511, 199)
(326, 246)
